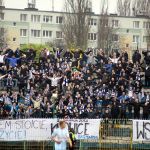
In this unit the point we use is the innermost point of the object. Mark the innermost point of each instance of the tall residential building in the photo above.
(30, 25)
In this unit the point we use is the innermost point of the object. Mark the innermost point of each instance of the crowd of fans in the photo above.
(76, 84)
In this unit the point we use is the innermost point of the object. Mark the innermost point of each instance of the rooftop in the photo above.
(92, 13)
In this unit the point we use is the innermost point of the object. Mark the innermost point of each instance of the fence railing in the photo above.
(114, 135)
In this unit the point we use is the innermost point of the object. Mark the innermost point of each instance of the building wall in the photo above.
(13, 24)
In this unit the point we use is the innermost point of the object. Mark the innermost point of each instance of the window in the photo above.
(93, 22)
(35, 18)
(104, 22)
(47, 33)
(115, 37)
(127, 45)
(2, 31)
(136, 38)
(47, 19)
(35, 33)
(92, 36)
(23, 32)
(146, 39)
(127, 30)
(14, 23)
(115, 23)
(1, 16)
(59, 35)
(2, 34)
(23, 17)
(59, 19)
(14, 39)
(146, 25)
(136, 24)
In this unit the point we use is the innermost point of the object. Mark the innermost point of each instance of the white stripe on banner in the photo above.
(141, 130)
(41, 129)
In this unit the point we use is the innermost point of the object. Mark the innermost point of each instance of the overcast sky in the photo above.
(58, 4)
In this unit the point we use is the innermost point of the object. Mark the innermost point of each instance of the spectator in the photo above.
(54, 80)
(146, 109)
(136, 57)
(146, 57)
(147, 76)
(13, 61)
(9, 82)
(73, 86)
(14, 110)
(136, 106)
(114, 59)
(68, 55)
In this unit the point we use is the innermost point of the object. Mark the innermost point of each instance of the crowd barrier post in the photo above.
(24, 145)
(43, 145)
(131, 139)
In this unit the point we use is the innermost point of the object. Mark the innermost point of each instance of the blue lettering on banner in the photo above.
(15, 135)
(87, 137)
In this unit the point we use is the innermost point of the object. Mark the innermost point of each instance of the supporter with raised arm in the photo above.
(114, 59)
(1, 77)
(13, 61)
(74, 88)
(37, 106)
(54, 80)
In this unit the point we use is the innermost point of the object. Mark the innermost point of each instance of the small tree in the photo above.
(36, 47)
(75, 24)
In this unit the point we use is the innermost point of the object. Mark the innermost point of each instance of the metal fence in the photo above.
(114, 135)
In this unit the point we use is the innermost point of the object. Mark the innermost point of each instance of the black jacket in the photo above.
(147, 72)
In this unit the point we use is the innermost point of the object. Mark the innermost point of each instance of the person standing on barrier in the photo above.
(61, 136)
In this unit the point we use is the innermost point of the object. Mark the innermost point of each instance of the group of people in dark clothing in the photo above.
(74, 84)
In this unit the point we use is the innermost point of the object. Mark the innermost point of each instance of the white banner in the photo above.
(141, 130)
(41, 129)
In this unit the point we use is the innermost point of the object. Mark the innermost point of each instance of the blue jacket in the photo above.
(108, 67)
(13, 61)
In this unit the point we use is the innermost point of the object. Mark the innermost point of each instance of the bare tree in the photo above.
(105, 28)
(148, 36)
(124, 7)
(141, 7)
(1, 3)
(75, 24)
(3, 39)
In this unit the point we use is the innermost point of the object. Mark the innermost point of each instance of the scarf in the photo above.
(9, 82)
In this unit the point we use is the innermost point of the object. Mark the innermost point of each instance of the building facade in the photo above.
(25, 26)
